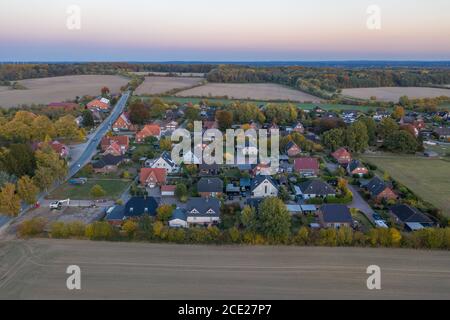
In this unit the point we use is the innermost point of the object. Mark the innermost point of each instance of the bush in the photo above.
(99, 231)
(33, 227)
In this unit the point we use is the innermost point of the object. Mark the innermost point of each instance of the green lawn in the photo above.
(114, 188)
(427, 178)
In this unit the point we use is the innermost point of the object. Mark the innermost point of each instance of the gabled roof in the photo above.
(179, 214)
(98, 104)
(210, 185)
(290, 145)
(408, 214)
(336, 213)
(376, 186)
(342, 152)
(354, 164)
(317, 187)
(159, 174)
(108, 160)
(150, 130)
(306, 164)
(120, 140)
(260, 179)
(203, 207)
(138, 206)
(124, 118)
(115, 213)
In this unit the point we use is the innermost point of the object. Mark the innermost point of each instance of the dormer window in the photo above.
(210, 211)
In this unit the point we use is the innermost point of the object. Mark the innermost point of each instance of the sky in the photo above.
(218, 30)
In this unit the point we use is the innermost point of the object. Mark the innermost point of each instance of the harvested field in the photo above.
(160, 85)
(178, 74)
(57, 89)
(393, 94)
(249, 91)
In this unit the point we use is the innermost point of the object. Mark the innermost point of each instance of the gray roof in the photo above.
(354, 164)
(179, 214)
(336, 213)
(408, 214)
(260, 179)
(108, 160)
(210, 185)
(317, 187)
(168, 158)
(203, 206)
(115, 213)
(376, 186)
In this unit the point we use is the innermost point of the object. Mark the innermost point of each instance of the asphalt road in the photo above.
(92, 144)
(37, 270)
(90, 148)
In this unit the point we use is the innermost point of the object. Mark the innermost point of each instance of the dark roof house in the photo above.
(317, 187)
(210, 185)
(197, 207)
(409, 215)
(138, 206)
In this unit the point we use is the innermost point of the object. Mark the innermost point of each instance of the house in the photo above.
(299, 128)
(264, 186)
(316, 189)
(164, 161)
(355, 167)
(61, 149)
(294, 209)
(149, 130)
(335, 216)
(307, 167)
(209, 169)
(210, 187)
(108, 163)
(178, 219)
(99, 104)
(115, 215)
(232, 190)
(168, 127)
(442, 133)
(308, 209)
(139, 206)
(410, 217)
(123, 123)
(262, 169)
(168, 191)
(245, 184)
(117, 145)
(379, 190)
(152, 177)
(292, 149)
(380, 115)
(342, 156)
(203, 211)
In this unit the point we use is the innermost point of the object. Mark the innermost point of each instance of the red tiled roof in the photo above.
(342, 152)
(159, 175)
(120, 140)
(97, 104)
(306, 164)
(149, 130)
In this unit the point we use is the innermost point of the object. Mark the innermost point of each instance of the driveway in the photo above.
(361, 204)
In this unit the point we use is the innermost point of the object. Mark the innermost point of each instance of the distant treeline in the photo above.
(14, 72)
(325, 82)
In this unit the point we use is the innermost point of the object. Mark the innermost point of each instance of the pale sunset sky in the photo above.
(232, 30)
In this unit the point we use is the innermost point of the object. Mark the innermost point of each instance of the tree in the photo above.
(404, 101)
(9, 200)
(387, 127)
(19, 160)
(281, 113)
(157, 109)
(192, 113)
(334, 139)
(399, 112)
(67, 128)
(43, 178)
(138, 112)
(49, 159)
(88, 119)
(97, 191)
(401, 141)
(105, 91)
(357, 137)
(164, 212)
(224, 119)
(248, 218)
(181, 192)
(344, 236)
(371, 127)
(274, 220)
(42, 127)
(130, 227)
(27, 190)
(5, 178)
(99, 230)
(165, 144)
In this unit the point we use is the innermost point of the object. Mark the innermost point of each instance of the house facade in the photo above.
(316, 189)
(307, 167)
(263, 187)
(210, 187)
(122, 123)
(164, 162)
(342, 156)
(380, 190)
(335, 216)
(355, 167)
(153, 177)
(201, 211)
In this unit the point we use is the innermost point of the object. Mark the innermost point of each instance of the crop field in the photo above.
(427, 178)
(161, 85)
(58, 89)
(179, 74)
(393, 94)
(249, 91)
